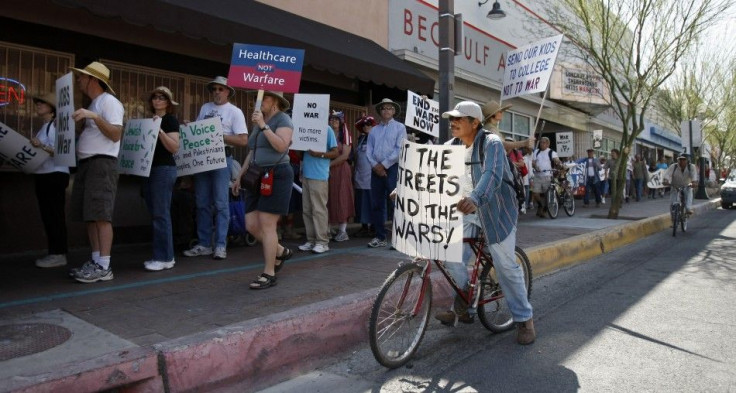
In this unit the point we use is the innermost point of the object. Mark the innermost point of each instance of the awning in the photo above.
(225, 22)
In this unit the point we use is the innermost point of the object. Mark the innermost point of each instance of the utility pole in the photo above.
(447, 62)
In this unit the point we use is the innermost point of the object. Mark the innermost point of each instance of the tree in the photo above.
(635, 46)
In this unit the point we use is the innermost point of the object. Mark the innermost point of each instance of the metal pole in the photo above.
(700, 193)
(447, 62)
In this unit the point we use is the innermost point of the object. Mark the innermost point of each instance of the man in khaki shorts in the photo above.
(544, 160)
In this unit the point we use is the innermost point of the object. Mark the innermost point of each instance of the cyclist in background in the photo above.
(544, 160)
(682, 174)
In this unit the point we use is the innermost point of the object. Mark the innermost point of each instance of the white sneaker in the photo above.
(155, 266)
(220, 253)
(376, 242)
(523, 210)
(342, 236)
(51, 261)
(320, 248)
(308, 246)
(603, 200)
(197, 251)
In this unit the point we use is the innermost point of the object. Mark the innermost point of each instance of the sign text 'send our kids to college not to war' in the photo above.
(528, 68)
(266, 68)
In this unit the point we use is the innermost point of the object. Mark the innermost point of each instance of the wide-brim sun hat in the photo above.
(48, 98)
(369, 121)
(397, 107)
(98, 71)
(165, 91)
(492, 107)
(465, 109)
(222, 81)
(279, 96)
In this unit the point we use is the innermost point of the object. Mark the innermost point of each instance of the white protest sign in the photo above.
(564, 144)
(656, 179)
(309, 115)
(528, 68)
(597, 138)
(138, 144)
(577, 176)
(18, 152)
(422, 115)
(65, 151)
(426, 220)
(201, 147)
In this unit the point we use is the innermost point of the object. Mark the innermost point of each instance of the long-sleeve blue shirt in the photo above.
(384, 143)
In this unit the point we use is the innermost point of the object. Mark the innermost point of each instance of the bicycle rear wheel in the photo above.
(399, 316)
(495, 314)
(553, 206)
(568, 202)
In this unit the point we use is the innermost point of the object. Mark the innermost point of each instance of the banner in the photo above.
(656, 179)
(426, 220)
(66, 150)
(309, 115)
(266, 68)
(422, 115)
(201, 147)
(564, 146)
(17, 151)
(528, 68)
(576, 175)
(138, 143)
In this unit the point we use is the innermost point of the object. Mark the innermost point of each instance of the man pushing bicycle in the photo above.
(488, 203)
(682, 174)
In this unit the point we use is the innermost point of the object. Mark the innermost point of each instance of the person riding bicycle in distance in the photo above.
(544, 160)
(488, 203)
(682, 174)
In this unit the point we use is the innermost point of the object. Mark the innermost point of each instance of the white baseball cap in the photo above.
(465, 109)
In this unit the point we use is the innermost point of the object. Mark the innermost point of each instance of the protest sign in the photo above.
(576, 176)
(18, 152)
(266, 68)
(65, 153)
(597, 138)
(422, 115)
(656, 179)
(528, 68)
(426, 220)
(138, 144)
(564, 145)
(201, 147)
(310, 115)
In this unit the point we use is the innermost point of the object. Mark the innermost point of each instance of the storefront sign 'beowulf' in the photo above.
(266, 68)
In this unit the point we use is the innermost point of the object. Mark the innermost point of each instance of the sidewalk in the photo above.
(198, 325)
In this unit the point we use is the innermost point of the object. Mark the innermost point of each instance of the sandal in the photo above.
(263, 281)
(286, 254)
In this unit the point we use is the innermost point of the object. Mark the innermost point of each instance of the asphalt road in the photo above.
(658, 315)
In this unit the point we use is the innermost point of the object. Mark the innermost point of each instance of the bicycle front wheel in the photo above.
(400, 315)
(683, 221)
(568, 202)
(493, 310)
(675, 220)
(553, 206)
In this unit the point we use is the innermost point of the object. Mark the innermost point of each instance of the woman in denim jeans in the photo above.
(159, 186)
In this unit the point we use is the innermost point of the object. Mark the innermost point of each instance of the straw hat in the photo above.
(165, 91)
(279, 96)
(491, 108)
(98, 71)
(220, 80)
(49, 98)
(397, 108)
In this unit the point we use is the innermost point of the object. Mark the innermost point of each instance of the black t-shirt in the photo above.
(161, 156)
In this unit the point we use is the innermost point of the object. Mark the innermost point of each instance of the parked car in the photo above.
(728, 191)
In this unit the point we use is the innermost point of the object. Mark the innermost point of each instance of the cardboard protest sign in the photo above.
(528, 68)
(564, 144)
(422, 115)
(656, 179)
(426, 220)
(576, 175)
(310, 115)
(266, 68)
(18, 152)
(597, 138)
(138, 144)
(65, 153)
(201, 147)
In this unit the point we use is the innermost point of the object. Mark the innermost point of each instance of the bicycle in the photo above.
(559, 192)
(400, 313)
(677, 211)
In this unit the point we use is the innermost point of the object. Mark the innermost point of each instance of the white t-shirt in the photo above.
(92, 141)
(543, 162)
(47, 136)
(232, 118)
(466, 182)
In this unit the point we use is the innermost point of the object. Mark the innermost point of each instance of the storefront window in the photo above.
(517, 125)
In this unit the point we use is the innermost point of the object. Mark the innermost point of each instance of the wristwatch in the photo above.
(266, 127)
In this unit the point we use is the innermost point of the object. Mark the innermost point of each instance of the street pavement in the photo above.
(159, 331)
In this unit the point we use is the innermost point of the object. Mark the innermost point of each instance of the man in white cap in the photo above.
(489, 203)
(682, 174)
(96, 180)
(211, 187)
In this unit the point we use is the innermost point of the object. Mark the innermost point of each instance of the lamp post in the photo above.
(446, 61)
(700, 193)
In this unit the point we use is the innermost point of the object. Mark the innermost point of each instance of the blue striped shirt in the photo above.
(384, 143)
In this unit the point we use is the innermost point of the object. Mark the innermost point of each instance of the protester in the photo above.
(662, 165)
(341, 203)
(612, 173)
(50, 181)
(269, 143)
(362, 177)
(517, 158)
(652, 192)
(489, 203)
(544, 161)
(591, 174)
(96, 180)
(639, 174)
(315, 192)
(603, 184)
(682, 174)
(158, 187)
(384, 146)
(211, 187)
(528, 177)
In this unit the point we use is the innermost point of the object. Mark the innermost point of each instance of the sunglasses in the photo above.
(453, 118)
(159, 97)
(387, 108)
(218, 88)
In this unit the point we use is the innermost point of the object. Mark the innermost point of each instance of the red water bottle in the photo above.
(267, 183)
